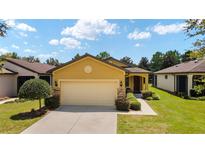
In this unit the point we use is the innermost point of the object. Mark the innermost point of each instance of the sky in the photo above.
(63, 39)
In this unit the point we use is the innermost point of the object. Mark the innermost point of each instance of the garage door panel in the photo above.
(88, 92)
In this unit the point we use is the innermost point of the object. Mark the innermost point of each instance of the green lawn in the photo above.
(7, 125)
(175, 115)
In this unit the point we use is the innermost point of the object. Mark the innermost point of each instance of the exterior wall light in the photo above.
(120, 83)
(56, 83)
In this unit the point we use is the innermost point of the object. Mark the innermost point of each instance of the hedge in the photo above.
(134, 104)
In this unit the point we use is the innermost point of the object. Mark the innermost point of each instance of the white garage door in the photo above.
(89, 92)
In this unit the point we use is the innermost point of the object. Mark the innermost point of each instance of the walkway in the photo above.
(145, 109)
(7, 100)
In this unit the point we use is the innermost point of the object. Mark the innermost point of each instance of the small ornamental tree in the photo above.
(35, 89)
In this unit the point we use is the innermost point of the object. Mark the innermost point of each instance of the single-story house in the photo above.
(15, 72)
(91, 81)
(180, 78)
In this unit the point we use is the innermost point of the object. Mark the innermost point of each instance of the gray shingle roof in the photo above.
(195, 66)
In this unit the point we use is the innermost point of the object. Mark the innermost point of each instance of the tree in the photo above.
(171, 58)
(103, 55)
(9, 55)
(127, 60)
(3, 29)
(31, 59)
(52, 61)
(156, 61)
(76, 56)
(144, 63)
(35, 89)
(196, 28)
(187, 56)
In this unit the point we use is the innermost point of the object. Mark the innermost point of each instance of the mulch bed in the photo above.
(30, 115)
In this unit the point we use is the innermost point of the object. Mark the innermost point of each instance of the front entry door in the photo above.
(182, 83)
(137, 83)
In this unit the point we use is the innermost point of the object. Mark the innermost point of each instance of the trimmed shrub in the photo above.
(134, 104)
(193, 93)
(149, 98)
(155, 97)
(122, 104)
(146, 94)
(52, 102)
(35, 89)
(201, 98)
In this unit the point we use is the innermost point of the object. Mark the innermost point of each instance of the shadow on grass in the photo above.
(29, 115)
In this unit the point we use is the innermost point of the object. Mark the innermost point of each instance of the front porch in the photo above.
(137, 82)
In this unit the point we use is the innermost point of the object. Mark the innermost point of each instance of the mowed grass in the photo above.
(175, 116)
(9, 126)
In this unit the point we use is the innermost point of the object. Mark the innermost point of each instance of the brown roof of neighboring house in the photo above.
(128, 70)
(34, 67)
(5, 71)
(137, 70)
(195, 66)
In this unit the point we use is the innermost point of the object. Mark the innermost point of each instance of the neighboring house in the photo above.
(92, 81)
(15, 72)
(180, 78)
(7, 82)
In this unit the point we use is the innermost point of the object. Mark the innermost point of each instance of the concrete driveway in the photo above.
(77, 120)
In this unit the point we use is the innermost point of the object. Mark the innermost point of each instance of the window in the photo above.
(144, 80)
(127, 81)
(46, 78)
(166, 77)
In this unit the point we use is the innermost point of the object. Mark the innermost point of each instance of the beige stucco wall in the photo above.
(8, 85)
(21, 71)
(100, 70)
(166, 84)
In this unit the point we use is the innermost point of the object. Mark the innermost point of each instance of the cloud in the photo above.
(25, 43)
(25, 27)
(29, 51)
(20, 26)
(90, 29)
(165, 29)
(4, 51)
(15, 46)
(54, 42)
(137, 44)
(132, 21)
(70, 42)
(43, 57)
(10, 22)
(139, 35)
(23, 34)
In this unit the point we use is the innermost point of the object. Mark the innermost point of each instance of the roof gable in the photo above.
(84, 56)
(7, 71)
